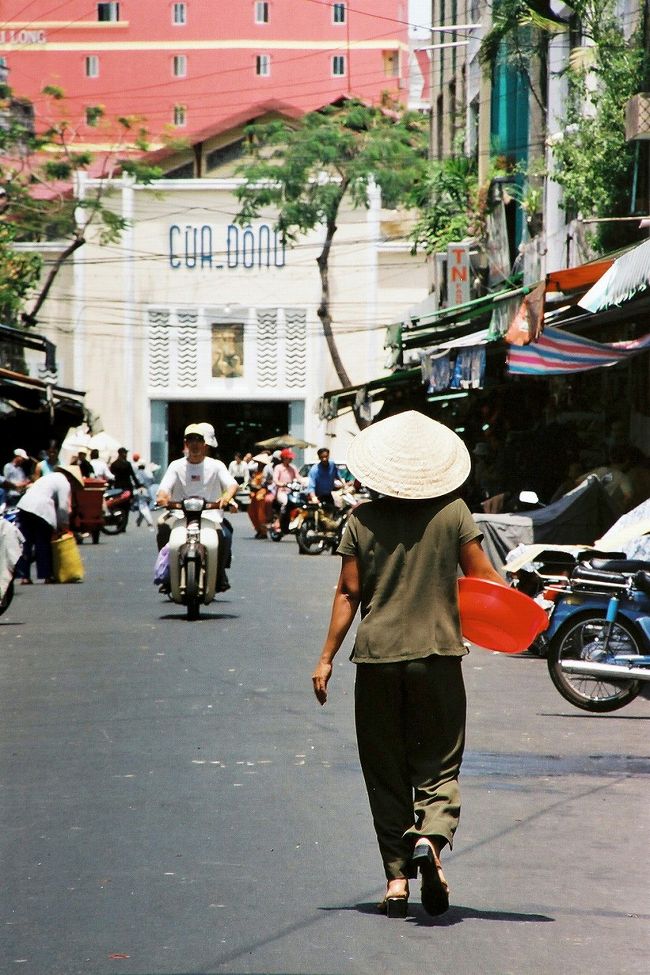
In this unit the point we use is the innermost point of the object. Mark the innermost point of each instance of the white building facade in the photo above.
(191, 317)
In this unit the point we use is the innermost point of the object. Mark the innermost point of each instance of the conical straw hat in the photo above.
(409, 456)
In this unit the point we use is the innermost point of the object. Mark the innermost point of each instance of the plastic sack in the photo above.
(66, 560)
(161, 568)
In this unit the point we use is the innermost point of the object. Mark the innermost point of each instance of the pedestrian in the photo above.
(400, 557)
(48, 463)
(145, 478)
(15, 477)
(83, 463)
(123, 473)
(43, 511)
(100, 467)
(238, 469)
(258, 486)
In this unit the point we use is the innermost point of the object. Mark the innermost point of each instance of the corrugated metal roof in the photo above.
(627, 277)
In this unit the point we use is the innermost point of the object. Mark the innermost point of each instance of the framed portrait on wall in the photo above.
(227, 351)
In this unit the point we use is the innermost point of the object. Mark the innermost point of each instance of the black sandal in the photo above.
(435, 893)
(395, 905)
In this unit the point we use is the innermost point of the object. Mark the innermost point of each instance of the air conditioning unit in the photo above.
(637, 117)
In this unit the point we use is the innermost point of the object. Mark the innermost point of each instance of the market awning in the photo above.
(21, 393)
(559, 353)
(628, 275)
(579, 278)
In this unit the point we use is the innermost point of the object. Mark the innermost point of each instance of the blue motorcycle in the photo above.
(599, 634)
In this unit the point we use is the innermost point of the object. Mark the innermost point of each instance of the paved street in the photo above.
(175, 801)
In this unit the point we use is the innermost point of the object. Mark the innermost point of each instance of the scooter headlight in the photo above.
(193, 505)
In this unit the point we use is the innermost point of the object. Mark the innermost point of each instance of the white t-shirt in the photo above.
(208, 480)
(49, 498)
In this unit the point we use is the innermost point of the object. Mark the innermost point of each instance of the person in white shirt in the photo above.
(196, 475)
(44, 510)
(239, 470)
(100, 467)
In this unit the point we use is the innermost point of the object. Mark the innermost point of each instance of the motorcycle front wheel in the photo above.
(192, 590)
(5, 602)
(309, 542)
(117, 523)
(580, 638)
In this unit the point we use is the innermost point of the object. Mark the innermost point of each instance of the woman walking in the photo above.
(401, 554)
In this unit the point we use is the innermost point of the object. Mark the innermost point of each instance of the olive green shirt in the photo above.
(408, 554)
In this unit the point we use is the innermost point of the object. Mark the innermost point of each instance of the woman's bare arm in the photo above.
(474, 562)
(344, 608)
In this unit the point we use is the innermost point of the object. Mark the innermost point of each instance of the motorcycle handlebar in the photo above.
(177, 505)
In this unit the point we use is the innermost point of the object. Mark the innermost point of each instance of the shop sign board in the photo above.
(204, 247)
(458, 274)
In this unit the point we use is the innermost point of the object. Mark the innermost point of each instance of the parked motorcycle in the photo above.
(321, 529)
(117, 505)
(11, 546)
(193, 553)
(288, 519)
(599, 633)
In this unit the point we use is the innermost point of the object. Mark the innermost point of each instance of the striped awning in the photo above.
(557, 353)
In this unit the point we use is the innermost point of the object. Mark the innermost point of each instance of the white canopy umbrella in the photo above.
(77, 438)
(104, 443)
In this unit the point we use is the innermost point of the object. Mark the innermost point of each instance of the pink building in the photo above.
(186, 66)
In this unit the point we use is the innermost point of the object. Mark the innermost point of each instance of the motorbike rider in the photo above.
(196, 475)
(283, 474)
(324, 478)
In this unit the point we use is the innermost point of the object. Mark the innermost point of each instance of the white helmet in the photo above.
(208, 434)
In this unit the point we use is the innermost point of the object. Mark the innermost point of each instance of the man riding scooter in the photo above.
(197, 475)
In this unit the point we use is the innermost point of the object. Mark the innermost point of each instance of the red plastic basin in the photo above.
(498, 618)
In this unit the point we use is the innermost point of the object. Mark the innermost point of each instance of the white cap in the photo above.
(208, 434)
(19, 452)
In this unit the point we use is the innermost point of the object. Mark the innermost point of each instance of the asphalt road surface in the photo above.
(174, 800)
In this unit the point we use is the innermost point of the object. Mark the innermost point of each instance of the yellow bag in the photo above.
(66, 559)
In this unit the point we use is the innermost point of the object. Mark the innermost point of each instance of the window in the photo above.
(391, 63)
(108, 11)
(179, 65)
(338, 13)
(179, 13)
(94, 115)
(338, 65)
(92, 66)
(180, 115)
(262, 12)
(225, 154)
(263, 65)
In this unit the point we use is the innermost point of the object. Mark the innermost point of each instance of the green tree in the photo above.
(39, 199)
(305, 169)
(450, 204)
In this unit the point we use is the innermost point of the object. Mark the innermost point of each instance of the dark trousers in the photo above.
(38, 546)
(410, 721)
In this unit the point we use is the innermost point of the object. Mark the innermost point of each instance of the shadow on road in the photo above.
(203, 618)
(590, 716)
(455, 915)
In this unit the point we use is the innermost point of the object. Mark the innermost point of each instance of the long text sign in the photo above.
(195, 246)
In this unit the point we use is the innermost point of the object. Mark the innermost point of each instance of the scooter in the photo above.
(193, 554)
(599, 634)
(288, 519)
(117, 505)
(320, 529)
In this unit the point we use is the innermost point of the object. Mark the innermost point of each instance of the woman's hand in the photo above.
(320, 679)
